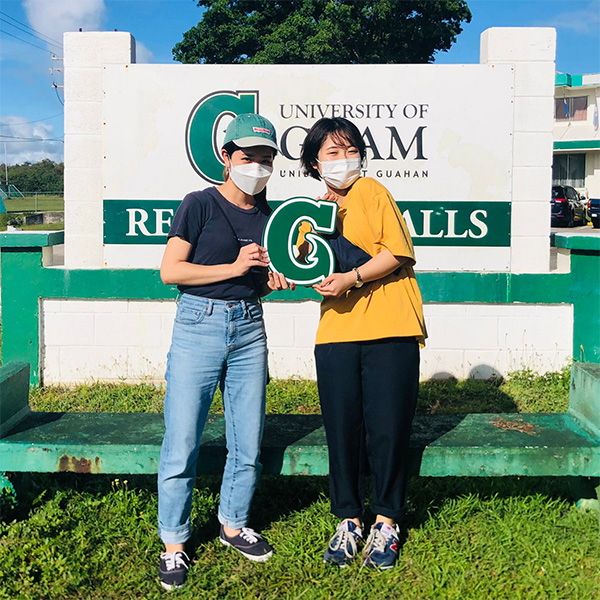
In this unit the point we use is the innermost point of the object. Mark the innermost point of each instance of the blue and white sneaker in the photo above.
(343, 546)
(381, 549)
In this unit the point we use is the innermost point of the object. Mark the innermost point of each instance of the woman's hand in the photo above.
(277, 283)
(336, 284)
(330, 196)
(250, 256)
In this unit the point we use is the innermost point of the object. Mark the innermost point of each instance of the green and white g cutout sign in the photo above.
(281, 233)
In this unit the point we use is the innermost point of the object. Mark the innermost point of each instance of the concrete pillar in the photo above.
(84, 57)
(532, 52)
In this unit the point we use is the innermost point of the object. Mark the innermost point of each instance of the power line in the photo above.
(32, 29)
(28, 122)
(30, 139)
(26, 42)
(37, 37)
(56, 90)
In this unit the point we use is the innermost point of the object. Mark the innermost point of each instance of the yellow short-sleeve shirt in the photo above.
(388, 307)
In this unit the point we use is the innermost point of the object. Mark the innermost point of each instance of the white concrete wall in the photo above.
(128, 340)
(532, 52)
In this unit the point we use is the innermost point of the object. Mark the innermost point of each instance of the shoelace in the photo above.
(379, 541)
(342, 539)
(173, 560)
(249, 535)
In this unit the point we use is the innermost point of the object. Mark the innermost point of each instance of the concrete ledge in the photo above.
(576, 241)
(31, 239)
(584, 395)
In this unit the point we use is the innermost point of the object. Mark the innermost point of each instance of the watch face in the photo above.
(359, 280)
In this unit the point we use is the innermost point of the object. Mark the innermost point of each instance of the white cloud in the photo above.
(21, 150)
(143, 54)
(54, 17)
(584, 21)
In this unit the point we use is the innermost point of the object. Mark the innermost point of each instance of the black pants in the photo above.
(368, 393)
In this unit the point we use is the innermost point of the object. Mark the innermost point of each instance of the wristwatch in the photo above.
(359, 281)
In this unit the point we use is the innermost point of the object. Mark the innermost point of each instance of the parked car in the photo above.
(594, 212)
(567, 207)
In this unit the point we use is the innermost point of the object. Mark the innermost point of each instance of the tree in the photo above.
(322, 31)
(43, 176)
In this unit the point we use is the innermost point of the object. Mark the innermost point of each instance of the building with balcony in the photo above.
(576, 133)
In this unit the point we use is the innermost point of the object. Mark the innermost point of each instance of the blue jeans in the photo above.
(214, 342)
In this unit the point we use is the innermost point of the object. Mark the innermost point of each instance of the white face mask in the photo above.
(251, 178)
(340, 174)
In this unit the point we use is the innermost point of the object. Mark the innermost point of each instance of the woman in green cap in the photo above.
(214, 257)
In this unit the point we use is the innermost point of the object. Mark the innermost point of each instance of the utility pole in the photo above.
(5, 168)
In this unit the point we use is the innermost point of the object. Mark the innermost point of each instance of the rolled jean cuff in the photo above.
(389, 513)
(346, 513)
(232, 523)
(177, 535)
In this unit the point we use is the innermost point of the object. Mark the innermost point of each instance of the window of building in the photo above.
(569, 169)
(571, 109)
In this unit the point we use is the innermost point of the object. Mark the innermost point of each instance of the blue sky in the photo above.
(30, 107)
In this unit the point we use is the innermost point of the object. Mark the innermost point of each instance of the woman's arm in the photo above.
(176, 270)
(378, 267)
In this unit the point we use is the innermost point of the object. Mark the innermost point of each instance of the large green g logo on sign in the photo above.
(281, 233)
(203, 126)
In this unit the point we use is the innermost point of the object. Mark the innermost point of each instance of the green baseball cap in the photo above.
(249, 130)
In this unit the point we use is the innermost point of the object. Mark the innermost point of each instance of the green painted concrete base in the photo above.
(475, 445)
(25, 281)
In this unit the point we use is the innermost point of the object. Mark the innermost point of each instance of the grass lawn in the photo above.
(94, 537)
(44, 204)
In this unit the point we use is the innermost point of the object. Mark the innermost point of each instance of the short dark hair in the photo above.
(337, 127)
(231, 147)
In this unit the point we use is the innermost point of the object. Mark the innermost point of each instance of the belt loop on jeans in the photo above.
(209, 309)
(245, 309)
(179, 294)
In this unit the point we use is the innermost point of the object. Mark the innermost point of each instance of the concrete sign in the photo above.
(445, 157)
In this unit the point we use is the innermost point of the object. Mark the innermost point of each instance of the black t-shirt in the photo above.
(217, 229)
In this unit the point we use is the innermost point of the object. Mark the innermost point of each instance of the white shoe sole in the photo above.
(170, 586)
(253, 558)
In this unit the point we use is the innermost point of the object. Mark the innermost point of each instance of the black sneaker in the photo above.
(251, 544)
(173, 569)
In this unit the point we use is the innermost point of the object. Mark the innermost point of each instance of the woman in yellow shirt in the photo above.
(367, 348)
